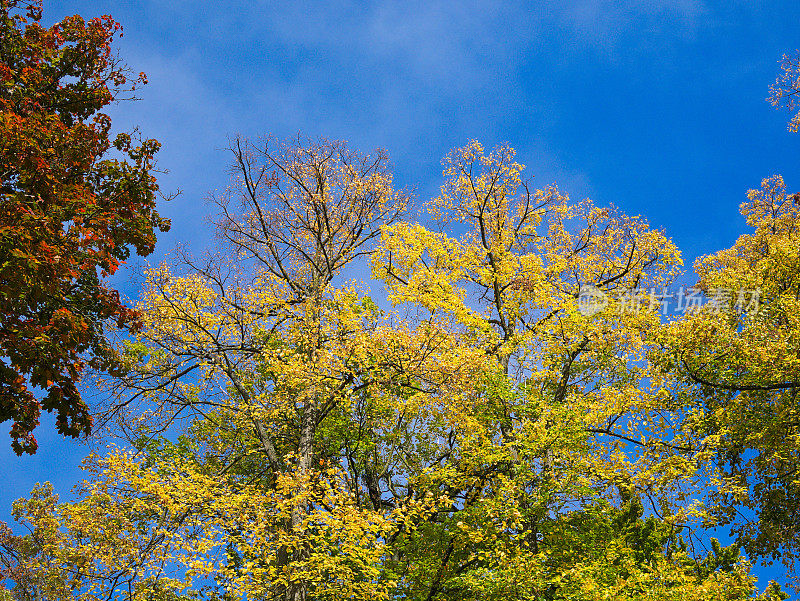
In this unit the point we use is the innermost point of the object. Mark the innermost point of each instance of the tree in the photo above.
(786, 87)
(482, 439)
(259, 337)
(72, 204)
(738, 363)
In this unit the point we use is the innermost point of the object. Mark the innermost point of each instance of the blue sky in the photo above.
(655, 106)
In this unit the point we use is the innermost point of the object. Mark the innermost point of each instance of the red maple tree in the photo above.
(72, 205)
